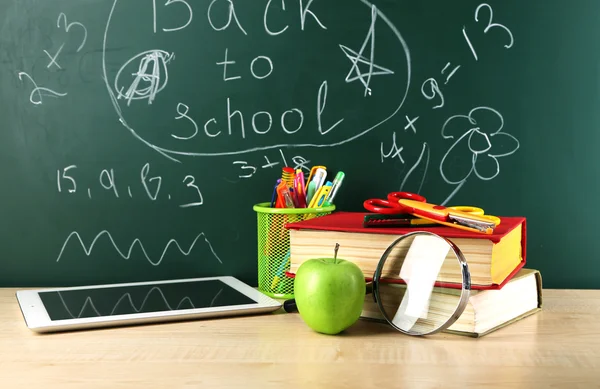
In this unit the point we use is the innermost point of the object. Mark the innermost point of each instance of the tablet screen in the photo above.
(122, 300)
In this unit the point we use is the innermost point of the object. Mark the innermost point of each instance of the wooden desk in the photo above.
(558, 347)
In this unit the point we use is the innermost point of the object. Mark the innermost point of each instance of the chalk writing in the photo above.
(321, 103)
(64, 176)
(490, 25)
(226, 62)
(424, 152)
(394, 152)
(53, 57)
(355, 58)
(451, 72)
(67, 26)
(247, 170)
(479, 138)
(266, 74)
(170, 2)
(62, 17)
(107, 180)
(144, 175)
(262, 58)
(231, 16)
(151, 77)
(182, 107)
(39, 90)
(291, 111)
(151, 185)
(189, 181)
(434, 88)
(305, 108)
(255, 126)
(410, 123)
(267, 29)
(136, 242)
(244, 166)
(304, 11)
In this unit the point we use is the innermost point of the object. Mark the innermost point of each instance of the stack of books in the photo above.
(502, 289)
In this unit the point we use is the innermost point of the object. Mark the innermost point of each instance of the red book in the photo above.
(493, 259)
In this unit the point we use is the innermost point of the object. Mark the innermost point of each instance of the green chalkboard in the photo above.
(135, 136)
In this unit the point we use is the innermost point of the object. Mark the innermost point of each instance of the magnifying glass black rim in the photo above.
(464, 296)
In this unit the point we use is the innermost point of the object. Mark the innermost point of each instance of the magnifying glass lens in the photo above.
(421, 284)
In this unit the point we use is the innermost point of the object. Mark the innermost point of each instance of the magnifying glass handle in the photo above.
(369, 288)
(290, 306)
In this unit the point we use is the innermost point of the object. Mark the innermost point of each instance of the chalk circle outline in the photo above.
(170, 154)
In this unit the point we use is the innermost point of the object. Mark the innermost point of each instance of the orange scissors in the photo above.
(410, 209)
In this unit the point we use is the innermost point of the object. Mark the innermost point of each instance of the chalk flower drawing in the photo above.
(486, 143)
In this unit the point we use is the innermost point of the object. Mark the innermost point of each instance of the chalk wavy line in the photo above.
(127, 255)
(88, 302)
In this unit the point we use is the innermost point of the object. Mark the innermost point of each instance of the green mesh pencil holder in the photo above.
(274, 246)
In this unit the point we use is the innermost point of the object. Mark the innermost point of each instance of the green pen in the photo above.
(337, 182)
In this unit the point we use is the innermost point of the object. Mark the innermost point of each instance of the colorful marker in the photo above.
(337, 182)
(285, 195)
(310, 192)
(313, 170)
(280, 271)
(319, 199)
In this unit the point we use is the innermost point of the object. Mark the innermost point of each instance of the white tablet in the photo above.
(60, 309)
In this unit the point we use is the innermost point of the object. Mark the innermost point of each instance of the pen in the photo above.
(285, 195)
(274, 196)
(319, 199)
(312, 172)
(282, 267)
(319, 178)
(310, 192)
(299, 189)
(287, 175)
(337, 182)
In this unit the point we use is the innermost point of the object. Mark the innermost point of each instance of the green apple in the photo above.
(329, 294)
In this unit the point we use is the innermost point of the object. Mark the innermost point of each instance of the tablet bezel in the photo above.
(37, 318)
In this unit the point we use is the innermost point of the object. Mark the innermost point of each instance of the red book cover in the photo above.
(353, 222)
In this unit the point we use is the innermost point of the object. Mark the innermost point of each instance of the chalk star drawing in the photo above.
(355, 58)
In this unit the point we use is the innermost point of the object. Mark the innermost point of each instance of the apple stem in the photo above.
(335, 251)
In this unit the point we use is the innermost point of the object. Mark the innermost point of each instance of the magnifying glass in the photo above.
(421, 284)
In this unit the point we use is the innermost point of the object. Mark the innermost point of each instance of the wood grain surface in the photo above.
(557, 347)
